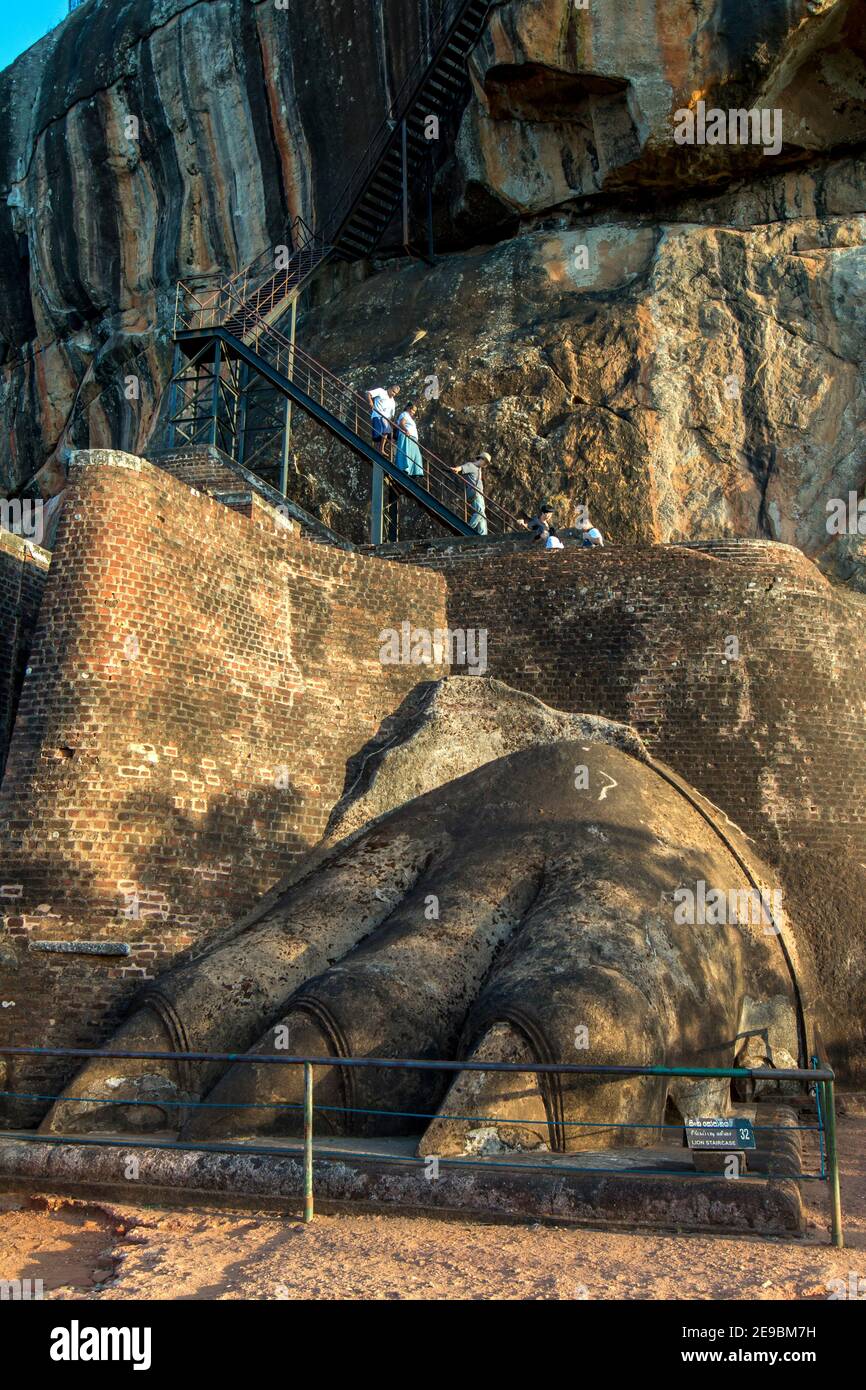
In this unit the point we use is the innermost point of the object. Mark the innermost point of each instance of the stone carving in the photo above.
(530, 910)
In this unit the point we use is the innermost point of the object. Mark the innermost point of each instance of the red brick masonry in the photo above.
(23, 570)
(199, 679)
(197, 683)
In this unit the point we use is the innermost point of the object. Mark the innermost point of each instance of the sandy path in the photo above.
(109, 1253)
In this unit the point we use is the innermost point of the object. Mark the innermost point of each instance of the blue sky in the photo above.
(25, 21)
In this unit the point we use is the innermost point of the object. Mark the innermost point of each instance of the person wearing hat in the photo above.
(474, 479)
(541, 526)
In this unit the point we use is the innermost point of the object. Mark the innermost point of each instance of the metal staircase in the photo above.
(437, 83)
(227, 342)
(215, 405)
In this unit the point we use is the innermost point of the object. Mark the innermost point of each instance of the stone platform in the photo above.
(637, 1187)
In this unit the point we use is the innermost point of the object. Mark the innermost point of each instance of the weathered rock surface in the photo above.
(702, 377)
(449, 727)
(669, 333)
(576, 100)
(519, 895)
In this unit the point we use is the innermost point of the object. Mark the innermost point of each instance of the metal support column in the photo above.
(377, 507)
(308, 1142)
(837, 1235)
(241, 417)
(217, 367)
(172, 394)
(287, 429)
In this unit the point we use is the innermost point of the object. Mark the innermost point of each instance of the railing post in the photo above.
(286, 451)
(241, 418)
(215, 400)
(290, 373)
(833, 1166)
(308, 1142)
(172, 395)
(377, 506)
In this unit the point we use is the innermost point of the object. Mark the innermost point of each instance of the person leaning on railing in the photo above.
(474, 479)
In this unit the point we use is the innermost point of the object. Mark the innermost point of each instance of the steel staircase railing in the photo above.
(247, 304)
(341, 402)
(444, 28)
(259, 288)
(372, 192)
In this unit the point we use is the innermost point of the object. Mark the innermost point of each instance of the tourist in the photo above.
(591, 534)
(541, 526)
(474, 480)
(383, 404)
(408, 455)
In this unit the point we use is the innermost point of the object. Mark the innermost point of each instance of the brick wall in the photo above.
(199, 679)
(776, 738)
(23, 570)
(206, 468)
(198, 682)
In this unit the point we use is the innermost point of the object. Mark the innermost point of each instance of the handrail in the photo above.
(225, 291)
(807, 1074)
(815, 1076)
(309, 247)
(440, 28)
(339, 398)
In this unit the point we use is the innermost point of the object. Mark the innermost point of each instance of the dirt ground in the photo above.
(101, 1252)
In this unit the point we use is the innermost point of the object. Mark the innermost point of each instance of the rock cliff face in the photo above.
(666, 331)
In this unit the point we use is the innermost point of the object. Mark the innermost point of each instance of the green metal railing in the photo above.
(819, 1079)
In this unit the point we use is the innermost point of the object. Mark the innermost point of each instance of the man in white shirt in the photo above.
(383, 404)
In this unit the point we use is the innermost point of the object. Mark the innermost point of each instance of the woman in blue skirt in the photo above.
(408, 456)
